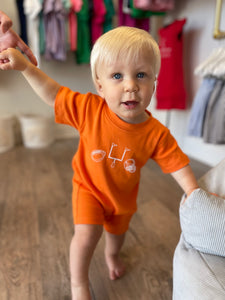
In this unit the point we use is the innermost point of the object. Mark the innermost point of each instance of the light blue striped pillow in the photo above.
(202, 219)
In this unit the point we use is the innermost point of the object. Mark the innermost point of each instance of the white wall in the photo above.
(17, 97)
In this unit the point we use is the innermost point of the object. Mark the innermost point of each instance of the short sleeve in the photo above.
(168, 155)
(70, 107)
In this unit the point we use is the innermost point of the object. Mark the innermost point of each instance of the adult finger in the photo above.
(5, 22)
(22, 46)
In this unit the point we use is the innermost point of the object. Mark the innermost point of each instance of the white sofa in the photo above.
(199, 258)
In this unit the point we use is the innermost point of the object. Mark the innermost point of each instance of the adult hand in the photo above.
(5, 23)
(10, 39)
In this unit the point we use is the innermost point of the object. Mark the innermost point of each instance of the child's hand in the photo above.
(188, 194)
(13, 59)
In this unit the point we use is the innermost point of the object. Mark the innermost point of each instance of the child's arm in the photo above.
(186, 179)
(44, 86)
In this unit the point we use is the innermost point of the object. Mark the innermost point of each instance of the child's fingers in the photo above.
(4, 65)
(4, 60)
(4, 55)
(214, 194)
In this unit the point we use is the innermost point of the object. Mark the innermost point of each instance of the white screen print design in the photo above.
(129, 164)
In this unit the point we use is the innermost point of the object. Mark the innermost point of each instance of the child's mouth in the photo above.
(130, 104)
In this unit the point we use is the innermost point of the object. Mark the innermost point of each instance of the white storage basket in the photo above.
(37, 131)
(7, 136)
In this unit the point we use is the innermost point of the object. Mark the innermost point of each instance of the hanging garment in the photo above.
(83, 34)
(214, 124)
(170, 92)
(127, 20)
(143, 14)
(126, 7)
(139, 13)
(213, 65)
(97, 19)
(66, 4)
(54, 23)
(41, 29)
(198, 110)
(32, 8)
(154, 5)
(76, 6)
(110, 12)
(22, 21)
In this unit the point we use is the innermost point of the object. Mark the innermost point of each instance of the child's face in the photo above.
(127, 87)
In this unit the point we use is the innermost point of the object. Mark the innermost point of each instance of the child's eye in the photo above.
(141, 75)
(117, 76)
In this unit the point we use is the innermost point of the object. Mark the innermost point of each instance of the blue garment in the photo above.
(22, 20)
(199, 107)
(214, 124)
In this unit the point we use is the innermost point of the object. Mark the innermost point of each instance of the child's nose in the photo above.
(130, 86)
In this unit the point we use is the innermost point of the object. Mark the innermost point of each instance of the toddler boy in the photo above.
(117, 137)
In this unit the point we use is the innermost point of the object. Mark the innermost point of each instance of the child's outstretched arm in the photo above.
(44, 86)
(186, 179)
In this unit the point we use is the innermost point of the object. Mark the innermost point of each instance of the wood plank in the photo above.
(20, 276)
(55, 227)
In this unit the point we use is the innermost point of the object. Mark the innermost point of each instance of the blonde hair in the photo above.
(125, 42)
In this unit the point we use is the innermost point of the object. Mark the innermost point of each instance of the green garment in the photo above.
(83, 35)
(41, 31)
(67, 5)
(110, 12)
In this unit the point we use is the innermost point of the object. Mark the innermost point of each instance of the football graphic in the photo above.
(129, 165)
(98, 155)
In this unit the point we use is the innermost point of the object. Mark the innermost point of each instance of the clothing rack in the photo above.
(218, 34)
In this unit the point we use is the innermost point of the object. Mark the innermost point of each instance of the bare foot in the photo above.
(80, 292)
(115, 265)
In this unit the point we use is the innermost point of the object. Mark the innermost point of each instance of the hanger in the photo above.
(214, 65)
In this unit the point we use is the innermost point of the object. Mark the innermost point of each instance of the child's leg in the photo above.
(114, 243)
(82, 247)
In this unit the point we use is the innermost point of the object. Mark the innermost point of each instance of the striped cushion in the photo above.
(202, 219)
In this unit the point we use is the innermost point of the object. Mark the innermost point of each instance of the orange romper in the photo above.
(109, 158)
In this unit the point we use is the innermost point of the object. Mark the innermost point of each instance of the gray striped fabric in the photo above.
(196, 275)
(199, 258)
(202, 219)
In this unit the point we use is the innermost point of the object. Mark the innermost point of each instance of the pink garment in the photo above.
(154, 5)
(98, 18)
(54, 24)
(76, 6)
(127, 20)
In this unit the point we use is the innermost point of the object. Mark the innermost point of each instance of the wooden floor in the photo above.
(36, 228)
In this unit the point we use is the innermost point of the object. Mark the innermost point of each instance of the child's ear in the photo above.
(99, 87)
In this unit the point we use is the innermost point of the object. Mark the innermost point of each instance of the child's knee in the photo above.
(87, 235)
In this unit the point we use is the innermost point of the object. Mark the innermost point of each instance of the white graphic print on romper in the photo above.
(129, 165)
